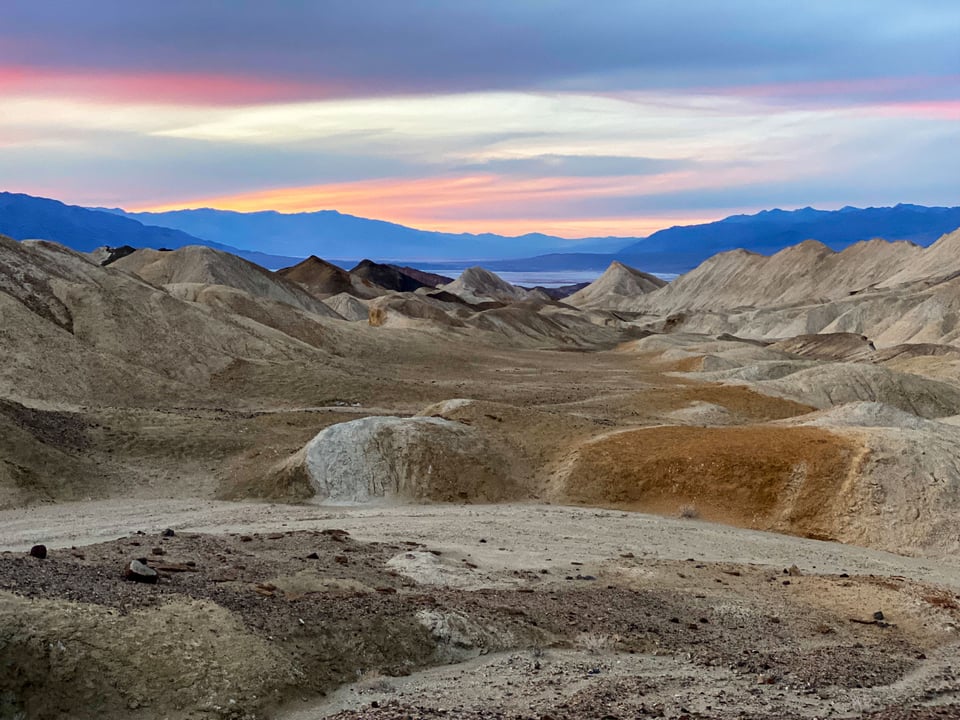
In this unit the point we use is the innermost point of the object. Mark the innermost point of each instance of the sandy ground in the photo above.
(515, 535)
(536, 610)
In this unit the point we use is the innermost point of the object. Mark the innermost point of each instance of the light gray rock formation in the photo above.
(421, 458)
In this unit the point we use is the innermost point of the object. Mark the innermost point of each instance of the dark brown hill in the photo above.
(323, 279)
(427, 278)
(387, 276)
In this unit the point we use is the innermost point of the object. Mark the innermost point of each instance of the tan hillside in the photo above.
(476, 285)
(616, 289)
(829, 346)
(199, 264)
(937, 262)
(808, 272)
(41, 456)
(348, 307)
(76, 330)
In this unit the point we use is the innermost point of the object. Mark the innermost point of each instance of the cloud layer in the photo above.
(484, 115)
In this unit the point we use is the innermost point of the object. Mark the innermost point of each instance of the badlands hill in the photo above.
(199, 265)
(617, 289)
(323, 280)
(430, 279)
(478, 285)
(892, 293)
(808, 272)
(77, 332)
(387, 276)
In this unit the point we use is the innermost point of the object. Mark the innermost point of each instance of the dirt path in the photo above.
(517, 536)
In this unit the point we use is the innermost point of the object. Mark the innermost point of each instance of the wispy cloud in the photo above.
(481, 115)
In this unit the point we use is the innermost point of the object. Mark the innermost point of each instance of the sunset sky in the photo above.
(615, 117)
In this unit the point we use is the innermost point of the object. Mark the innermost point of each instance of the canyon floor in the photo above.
(526, 609)
(484, 505)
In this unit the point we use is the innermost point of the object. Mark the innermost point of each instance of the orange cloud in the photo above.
(162, 88)
(471, 203)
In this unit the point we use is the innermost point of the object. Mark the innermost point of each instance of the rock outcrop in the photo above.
(420, 458)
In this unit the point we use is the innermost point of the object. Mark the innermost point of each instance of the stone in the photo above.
(138, 571)
(417, 458)
(39, 552)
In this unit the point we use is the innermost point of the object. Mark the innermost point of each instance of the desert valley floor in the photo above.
(384, 495)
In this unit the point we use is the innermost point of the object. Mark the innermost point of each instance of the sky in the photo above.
(573, 118)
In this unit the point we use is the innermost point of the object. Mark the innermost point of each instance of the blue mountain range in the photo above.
(276, 240)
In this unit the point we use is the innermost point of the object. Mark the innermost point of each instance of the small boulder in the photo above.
(139, 571)
(39, 552)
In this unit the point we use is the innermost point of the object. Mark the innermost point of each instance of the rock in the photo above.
(176, 567)
(313, 556)
(336, 534)
(168, 533)
(138, 571)
(878, 615)
(418, 458)
(39, 552)
(794, 571)
(158, 551)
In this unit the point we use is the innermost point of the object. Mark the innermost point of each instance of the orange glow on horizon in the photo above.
(467, 204)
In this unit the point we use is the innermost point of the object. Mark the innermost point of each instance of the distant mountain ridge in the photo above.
(25, 217)
(770, 231)
(331, 234)
(336, 236)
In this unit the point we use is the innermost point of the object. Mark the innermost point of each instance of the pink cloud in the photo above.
(931, 109)
(924, 97)
(163, 88)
